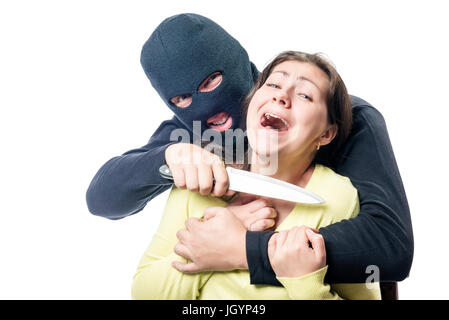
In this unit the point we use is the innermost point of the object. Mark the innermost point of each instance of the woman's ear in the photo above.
(328, 135)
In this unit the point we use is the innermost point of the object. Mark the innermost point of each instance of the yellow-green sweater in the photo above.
(157, 279)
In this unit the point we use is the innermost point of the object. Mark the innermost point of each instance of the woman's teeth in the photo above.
(276, 122)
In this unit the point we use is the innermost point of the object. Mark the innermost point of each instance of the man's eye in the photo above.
(205, 85)
(211, 82)
(212, 79)
(182, 101)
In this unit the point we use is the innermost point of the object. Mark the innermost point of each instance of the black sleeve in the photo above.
(381, 234)
(259, 266)
(125, 184)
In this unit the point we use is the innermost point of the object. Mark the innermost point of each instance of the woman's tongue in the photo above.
(273, 123)
(220, 122)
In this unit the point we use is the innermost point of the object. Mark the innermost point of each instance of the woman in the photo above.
(298, 106)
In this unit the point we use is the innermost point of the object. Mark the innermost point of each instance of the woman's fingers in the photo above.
(296, 238)
(261, 225)
(272, 246)
(243, 198)
(258, 204)
(185, 267)
(317, 242)
(280, 241)
(256, 210)
(261, 219)
(293, 257)
(272, 213)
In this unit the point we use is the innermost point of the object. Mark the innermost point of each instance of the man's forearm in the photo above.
(356, 246)
(125, 184)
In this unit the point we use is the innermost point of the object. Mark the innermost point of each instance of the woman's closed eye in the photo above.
(211, 82)
(182, 101)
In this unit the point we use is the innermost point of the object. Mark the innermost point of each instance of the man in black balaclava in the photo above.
(182, 55)
(203, 75)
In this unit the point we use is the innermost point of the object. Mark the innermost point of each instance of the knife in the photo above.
(253, 183)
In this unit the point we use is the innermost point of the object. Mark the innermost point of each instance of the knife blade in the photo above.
(253, 183)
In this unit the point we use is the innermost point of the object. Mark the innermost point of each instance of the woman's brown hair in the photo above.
(338, 102)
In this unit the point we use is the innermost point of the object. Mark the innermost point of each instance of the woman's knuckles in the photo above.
(269, 223)
(263, 203)
(273, 213)
(248, 223)
(264, 212)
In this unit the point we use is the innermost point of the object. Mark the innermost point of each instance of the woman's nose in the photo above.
(282, 98)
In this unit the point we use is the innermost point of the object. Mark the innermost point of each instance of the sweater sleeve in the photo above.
(381, 234)
(312, 287)
(155, 277)
(126, 183)
(309, 287)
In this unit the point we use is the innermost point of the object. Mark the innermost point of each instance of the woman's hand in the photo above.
(194, 168)
(254, 213)
(290, 254)
(216, 243)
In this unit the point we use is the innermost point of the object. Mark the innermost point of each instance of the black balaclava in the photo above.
(182, 52)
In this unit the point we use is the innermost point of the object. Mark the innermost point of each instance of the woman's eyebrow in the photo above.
(286, 74)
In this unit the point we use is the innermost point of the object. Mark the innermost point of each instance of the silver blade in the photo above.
(253, 183)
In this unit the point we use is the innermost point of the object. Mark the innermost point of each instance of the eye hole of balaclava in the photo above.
(209, 84)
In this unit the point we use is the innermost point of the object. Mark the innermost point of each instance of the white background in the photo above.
(73, 95)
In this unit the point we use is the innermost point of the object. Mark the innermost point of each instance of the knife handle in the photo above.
(165, 172)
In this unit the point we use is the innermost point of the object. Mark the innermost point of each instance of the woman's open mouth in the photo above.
(274, 122)
(221, 121)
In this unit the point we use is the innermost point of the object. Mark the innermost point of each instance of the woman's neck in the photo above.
(293, 169)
